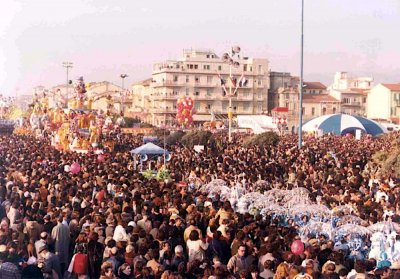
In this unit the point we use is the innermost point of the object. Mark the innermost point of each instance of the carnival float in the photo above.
(74, 125)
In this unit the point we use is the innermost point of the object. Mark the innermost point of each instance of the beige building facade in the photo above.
(384, 102)
(103, 94)
(314, 104)
(197, 75)
(352, 92)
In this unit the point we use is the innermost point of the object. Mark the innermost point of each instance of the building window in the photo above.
(208, 106)
(196, 105)
(259, 82)
(245, 67)
(187, 92)
(209, 79)
(260, 107)
(209, 91)
(246, 106)
(197, 93)
(187, 78)
(259, 68)
(196, 66)
(175, 78)
(334, 110)
(346, 100)
(313, 111)
(219, 68)
(364, 100)
(303, 110)
(196, 79)
(206, 67)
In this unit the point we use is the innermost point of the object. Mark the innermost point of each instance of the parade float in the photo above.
(75, 126)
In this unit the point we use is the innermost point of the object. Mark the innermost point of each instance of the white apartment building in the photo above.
(384, 102)
(352, 92)
(196, 75)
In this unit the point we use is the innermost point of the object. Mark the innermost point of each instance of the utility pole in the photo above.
(67, 65)
(123, 76)
(301, 80)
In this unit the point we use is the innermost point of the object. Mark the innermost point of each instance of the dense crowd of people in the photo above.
(108, 221)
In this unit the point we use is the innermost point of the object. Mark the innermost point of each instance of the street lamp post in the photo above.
(300, 143)
(123, 76)
(232, 58)
(67, 65)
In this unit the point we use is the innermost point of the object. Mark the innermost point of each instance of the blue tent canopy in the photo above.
(341, 124)
(149, 149)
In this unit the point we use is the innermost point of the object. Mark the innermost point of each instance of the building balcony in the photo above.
(163, 110)
(167, 83)
(165, 97)
(352, 104)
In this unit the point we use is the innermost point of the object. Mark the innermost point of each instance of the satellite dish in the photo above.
(143, 157)
(167, 157)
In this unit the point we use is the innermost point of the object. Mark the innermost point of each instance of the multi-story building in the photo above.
(314, 88)
(352, 92)
(384, 102)
(198, 75)
(103, 93)
(279, 80)
(142, 101)
(316, 102)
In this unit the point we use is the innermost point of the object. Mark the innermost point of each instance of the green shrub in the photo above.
(160, 133)
(174, 137)
(264, 139)
(130, 121)
(162, 174)
(146, 125)
(198, 138)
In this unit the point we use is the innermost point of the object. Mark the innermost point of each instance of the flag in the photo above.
(223, 82)
(238, 84)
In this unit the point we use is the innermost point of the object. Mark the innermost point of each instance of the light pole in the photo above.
(301, 80)
(67, 65)
(123, 76)
(232, 58)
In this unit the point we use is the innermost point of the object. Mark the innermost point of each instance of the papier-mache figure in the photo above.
(80, 92)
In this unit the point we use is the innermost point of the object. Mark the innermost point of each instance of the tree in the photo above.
(174, 138)
(198, 138)
(264, 139)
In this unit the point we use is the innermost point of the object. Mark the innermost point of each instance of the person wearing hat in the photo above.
(178, 257)
(41, 242)
(50, 262)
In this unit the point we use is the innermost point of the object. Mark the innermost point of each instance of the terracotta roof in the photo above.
(313, 85)
(318, 98)
(350, 91)
(360, 90)
(392, 86)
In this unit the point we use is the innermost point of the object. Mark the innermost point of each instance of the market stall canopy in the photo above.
(341, 124)
(149, 149)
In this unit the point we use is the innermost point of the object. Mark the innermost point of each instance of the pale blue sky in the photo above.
(104, 38)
